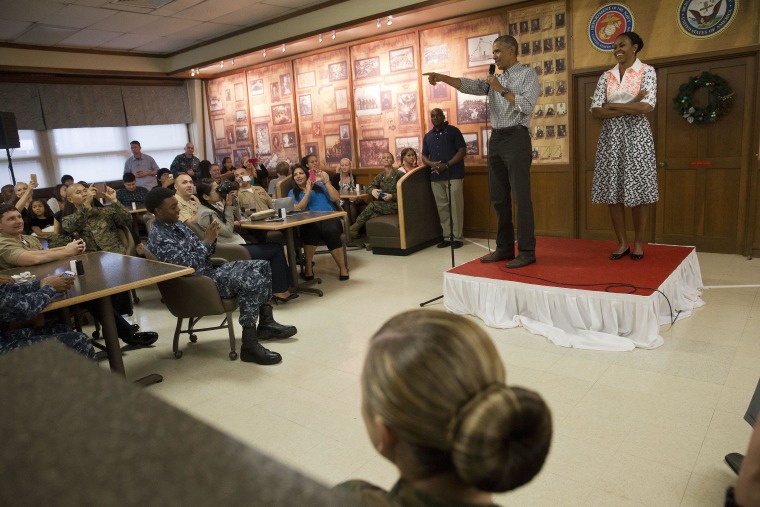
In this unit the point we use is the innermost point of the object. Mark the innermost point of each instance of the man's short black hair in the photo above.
(66, 177)
(134, 142)
(128, 178)
(156, 198)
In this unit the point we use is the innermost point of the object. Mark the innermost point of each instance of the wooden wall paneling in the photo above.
(553, 200)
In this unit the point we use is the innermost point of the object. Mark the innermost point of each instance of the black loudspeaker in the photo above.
(8, 131)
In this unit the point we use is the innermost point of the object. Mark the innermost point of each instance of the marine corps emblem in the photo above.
(702, 19)
(607, 23)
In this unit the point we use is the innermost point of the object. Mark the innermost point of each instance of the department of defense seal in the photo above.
(702, 19)
(607, 23)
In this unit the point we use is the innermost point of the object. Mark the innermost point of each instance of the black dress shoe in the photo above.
(498, 255)
(277, 299)
(256, 353)
(637, 257)
(458, 244)
(142, 339)
(618, 256)
(443, 244)
(520, 262)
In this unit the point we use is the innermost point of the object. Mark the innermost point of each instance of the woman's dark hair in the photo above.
(57, 193)
(224, 163)
(160, 173)
(314, 187)
(635, 40)
(205, 187)
(305, 160)
(48, 212)
(205, 169)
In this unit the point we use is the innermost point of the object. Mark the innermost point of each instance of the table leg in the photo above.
(291, 248)
(108, 323)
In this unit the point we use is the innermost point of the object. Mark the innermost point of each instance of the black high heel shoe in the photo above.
(637, 257)
(277, 299)
(618, 256)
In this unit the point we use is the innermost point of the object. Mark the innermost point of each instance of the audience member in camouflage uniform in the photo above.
(384, 189)
(436, 404)
(249, 281)
(97, 226)
(23, 302)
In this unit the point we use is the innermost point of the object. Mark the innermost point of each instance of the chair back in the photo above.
(149, 218)
(284, 186)
(193, 226)
(127, 240)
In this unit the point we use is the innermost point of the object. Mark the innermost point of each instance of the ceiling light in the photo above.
(378, 22)
(232, 62)
(333, 35)
(221, 65)
(192, 72)
(320, 38)
(390, 20)
(283, 48)
(265, 53)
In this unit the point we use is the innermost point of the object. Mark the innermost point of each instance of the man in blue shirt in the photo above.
(143, 166)
(249, 281)
(443, 150)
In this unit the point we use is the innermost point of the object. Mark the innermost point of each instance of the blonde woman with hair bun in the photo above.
(436, 404)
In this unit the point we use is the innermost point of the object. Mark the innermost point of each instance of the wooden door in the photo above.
(704, 168)
(594, 219)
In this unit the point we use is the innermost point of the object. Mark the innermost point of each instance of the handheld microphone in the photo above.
(491, 72)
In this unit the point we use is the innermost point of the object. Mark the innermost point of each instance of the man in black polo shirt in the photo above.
(443, 150)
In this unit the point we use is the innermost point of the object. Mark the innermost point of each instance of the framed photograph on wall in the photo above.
(480, 50)
(228, 95)
(274, 89)
(367, 100)
(239, 92)
(440, 93)
(408, 113)
(221, 155)
(337, 71)
(407, 142)
(344, 132)
(241, 155)
(341, 99)
(368, 67)
(316, 129)
(304, 105)
(219, 128)
(262, 139)
(229, 131)
(288, 139)
(307, 79)
(276, 143)
(386, 100)
(240, 115)
(215, 104)
(401, 59)
(286, 84)
(241, 133)
(282, 114)
(257, 87)
(471, 140)
(312, 149)
(471, 108)
(371, 151)
(336, 149)
(436, 54)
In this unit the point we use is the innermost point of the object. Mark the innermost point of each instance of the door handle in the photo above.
(661, 164)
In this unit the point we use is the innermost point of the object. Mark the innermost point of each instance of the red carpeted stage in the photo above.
(575, 296)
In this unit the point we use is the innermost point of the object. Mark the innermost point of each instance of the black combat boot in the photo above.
(269, 329)
(253, 352)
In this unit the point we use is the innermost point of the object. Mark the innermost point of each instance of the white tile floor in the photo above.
(648, 427)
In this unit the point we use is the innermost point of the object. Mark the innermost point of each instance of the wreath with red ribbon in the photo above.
(720, 98)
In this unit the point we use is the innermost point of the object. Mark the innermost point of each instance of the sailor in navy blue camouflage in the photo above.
(23, 302)
(249, 281)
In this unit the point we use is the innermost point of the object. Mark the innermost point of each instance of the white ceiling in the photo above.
(135, 26)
